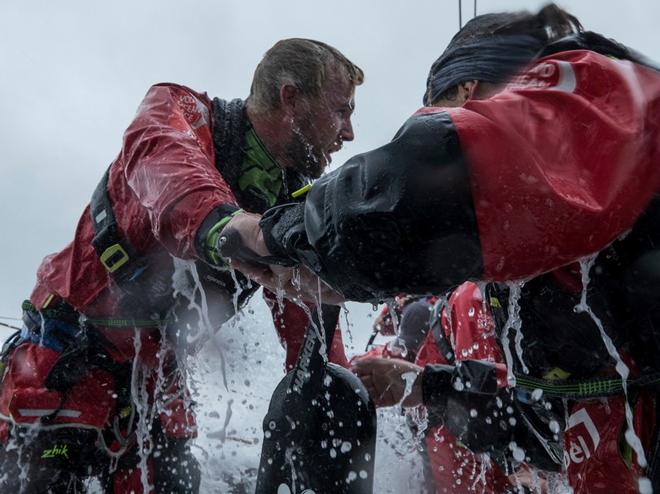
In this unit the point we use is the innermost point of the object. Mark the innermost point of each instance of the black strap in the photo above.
(115, 252)
(230, 124)
(438, 334)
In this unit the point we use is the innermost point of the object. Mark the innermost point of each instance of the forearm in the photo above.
(397, 219)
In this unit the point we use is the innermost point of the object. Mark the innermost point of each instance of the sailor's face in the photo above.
(322, 123)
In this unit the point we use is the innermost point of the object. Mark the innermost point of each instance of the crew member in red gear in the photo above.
(557, 417)
(548, 155)
(94, 385)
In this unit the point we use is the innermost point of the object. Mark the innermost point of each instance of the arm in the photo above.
(358, 220)
(545, 173)
(169, 165)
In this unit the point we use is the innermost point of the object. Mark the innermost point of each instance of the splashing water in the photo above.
(348, 331)
(236, 293)
(141, 404)
(391, 307)
(631, 437)
(409, 378)
(516, 323)
(513, 320)
(183, 271)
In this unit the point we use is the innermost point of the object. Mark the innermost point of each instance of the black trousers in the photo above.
(65, 461)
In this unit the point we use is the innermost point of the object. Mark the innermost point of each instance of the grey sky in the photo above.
(73, 73)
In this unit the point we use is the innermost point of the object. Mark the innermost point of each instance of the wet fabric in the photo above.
(595, 455)
(61, 461)
(454, 467)
(165, 186)
(504, 188)
(291, 322)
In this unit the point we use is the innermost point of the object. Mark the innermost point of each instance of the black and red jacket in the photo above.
(555, 167)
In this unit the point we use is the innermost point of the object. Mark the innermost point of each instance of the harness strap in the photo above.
(115, 252)
(574, 389)
(439, 336)
(65, 312)
(584, 388)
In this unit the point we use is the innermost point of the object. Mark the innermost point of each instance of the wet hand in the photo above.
(292, 282)
(390, 381)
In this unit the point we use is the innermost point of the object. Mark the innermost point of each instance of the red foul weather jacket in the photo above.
(164, 186)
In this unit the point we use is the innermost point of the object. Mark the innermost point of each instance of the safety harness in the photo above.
(553, 385)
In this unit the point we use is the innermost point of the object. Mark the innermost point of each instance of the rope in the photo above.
(9, 326)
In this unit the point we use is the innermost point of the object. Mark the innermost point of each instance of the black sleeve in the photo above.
(397, 219)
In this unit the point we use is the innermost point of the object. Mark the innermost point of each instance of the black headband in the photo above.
(494, 59)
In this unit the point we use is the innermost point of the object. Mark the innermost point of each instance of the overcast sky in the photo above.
(74, 72)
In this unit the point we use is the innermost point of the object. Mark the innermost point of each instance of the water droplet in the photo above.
(517, 452)
(645, 486)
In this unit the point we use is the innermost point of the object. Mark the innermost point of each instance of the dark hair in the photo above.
(492, 47)
(549, 24)
(303, 63)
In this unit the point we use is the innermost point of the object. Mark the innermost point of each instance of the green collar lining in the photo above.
(261, 174)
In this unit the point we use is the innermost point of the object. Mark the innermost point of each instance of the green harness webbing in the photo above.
(73, 317)
(584, 388)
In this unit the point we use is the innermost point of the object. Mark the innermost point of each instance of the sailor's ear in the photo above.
(468, 90)
(289, 97)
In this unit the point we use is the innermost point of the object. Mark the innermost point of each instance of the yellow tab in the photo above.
(301, 191)
(556, 374)
(49, 299)
(109, 253)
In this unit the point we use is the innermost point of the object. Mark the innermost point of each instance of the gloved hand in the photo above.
(296, 282)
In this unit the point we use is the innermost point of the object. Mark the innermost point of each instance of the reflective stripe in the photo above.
(50, 427)
(41, 412)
